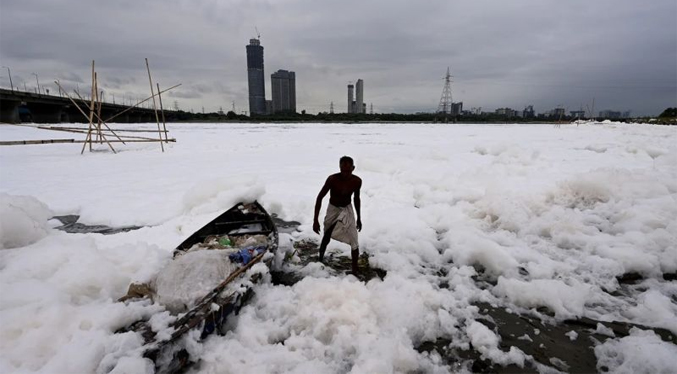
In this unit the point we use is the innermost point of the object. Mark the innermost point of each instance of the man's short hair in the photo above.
(346, 159)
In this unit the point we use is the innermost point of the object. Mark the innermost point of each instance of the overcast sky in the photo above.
(621, 53)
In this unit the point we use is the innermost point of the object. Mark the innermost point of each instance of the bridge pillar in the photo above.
(123, 118)
(74, 114)
(9, 111)
(45, 113)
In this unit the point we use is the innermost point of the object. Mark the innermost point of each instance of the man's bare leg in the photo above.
(325, 241)
(355, 254)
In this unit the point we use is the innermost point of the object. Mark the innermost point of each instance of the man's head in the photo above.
(346, 165)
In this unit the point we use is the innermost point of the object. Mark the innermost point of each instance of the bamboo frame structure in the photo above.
(98, 130)
(83, 113)
(104, 123)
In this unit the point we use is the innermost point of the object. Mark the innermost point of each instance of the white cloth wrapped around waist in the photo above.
(343, 220)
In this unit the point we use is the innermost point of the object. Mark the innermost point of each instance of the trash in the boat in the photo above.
(245, 255)
(188, 278)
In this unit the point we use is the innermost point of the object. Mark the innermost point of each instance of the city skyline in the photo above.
(541, 53)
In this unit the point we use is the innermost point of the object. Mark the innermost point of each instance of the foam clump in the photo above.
(640, 352)
(222, 192)
(23, 220)
(566, 300)
(190, 277)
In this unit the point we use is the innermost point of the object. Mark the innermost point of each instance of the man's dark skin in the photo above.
(341, 187)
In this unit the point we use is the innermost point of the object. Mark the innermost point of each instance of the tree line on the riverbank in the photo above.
(668, 116)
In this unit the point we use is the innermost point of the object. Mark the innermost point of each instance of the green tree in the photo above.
(669, 113)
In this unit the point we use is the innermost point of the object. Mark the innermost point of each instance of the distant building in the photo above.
(507, 112)
(609, 114)
(283, 84)
(359, 97)
(357, 104)
(456, 108)
(351, 102)
(558, 113)
(269, 107)
(577, 113)
(256, 79)
(528, 112)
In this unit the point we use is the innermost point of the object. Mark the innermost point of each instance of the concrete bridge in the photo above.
(39, 108)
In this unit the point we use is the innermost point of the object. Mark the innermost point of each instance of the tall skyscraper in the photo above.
(283, 84)
(359, 97)
(351, 103)
(257, 84)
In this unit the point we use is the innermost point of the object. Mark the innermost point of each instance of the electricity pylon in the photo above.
(445, 100)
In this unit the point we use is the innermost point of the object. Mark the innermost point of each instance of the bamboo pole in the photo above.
(95, 96)
(150, 140)
(90, 117)
(157, 119)
(98, 110)
(82, 128)
(56, 141)
(82, 131)
(140, 102)
(83, 113)
(27, 142)
(164, 124)
(188, 321)
(50, 141)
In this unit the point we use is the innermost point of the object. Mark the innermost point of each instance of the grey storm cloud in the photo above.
(545, 53)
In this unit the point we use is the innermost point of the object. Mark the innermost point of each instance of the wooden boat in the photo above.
(244, 220)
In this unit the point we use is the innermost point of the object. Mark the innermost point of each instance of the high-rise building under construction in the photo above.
(256, 79)
(351, 102)
(357, 105)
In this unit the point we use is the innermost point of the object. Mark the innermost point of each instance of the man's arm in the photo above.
(318, 204)
(358, 205)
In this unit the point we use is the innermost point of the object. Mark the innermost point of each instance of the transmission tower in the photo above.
(331, 108)
(445, 100)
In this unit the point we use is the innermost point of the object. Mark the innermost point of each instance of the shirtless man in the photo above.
(339, 222)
